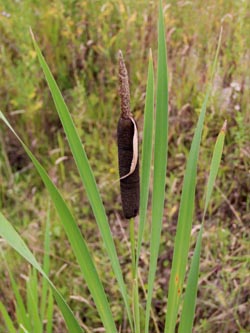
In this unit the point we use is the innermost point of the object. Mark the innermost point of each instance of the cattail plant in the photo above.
(131, 192)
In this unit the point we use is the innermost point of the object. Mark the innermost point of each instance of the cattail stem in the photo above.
(135, 295)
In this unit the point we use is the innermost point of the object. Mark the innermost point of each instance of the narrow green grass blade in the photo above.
(29, 301)
(32, 301)
(184, 225)
(136, 306)
(187, 315)
(182, 238)
(8, 321)
(77, 242)
(46, 265)
(160, 159)
(21, 314)
(34, 289)
(86, 175)
(146, 153)
(145, 175)
(216, 159)
(49, 315)
(23, 329)
(8, 233)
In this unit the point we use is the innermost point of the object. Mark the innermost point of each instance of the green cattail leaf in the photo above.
(46, 265)
(160, 159)
(77, 242)
(184, 224)
(215, 165)
(86, 175)
(32, 301)
(49, 313)
(146, 152)
(145, 172)
(187, 315)
(8, 233)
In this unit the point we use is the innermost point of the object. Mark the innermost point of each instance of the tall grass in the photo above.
(155, 138)
(36, 314)
(160, 160)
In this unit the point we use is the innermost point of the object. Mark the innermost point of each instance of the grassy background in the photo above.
(80, 40)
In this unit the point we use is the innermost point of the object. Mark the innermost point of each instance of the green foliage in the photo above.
(160, 160)
(77, 242)
(187, 314)
(89, 183)
(81, 55)
(12, 238)
(32, 314)
(185, 219)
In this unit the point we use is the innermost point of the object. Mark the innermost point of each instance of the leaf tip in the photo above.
(224, 127)
(150, 55)
(1, 115)
(32, 34)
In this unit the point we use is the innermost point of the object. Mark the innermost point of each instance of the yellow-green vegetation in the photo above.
(80, 40)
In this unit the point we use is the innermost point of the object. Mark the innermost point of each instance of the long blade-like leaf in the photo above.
(77, 242)
(15, 241)
(49, 314)
(187, 314)
(145, 172)
(160, 159)
(46, 265)
(146, 152)
(86, 175)
(32, 301)
(182, 238)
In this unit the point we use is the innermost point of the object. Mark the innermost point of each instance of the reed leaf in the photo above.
(185, 217)
(46, 265)
(77, 242)
(146, 153)
(32, 301)
(187, 314)
(10, 235)
(160, 159)
(86, 175)
(49, 313)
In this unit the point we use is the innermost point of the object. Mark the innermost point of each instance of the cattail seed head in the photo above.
(127, 140)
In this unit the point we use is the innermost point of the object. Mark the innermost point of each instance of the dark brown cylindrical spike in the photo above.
(127, 148)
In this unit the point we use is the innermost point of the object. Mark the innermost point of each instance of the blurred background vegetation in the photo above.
(80, 40)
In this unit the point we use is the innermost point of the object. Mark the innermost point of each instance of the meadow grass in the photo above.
(37, 314)
(78, 243)
(154, 255)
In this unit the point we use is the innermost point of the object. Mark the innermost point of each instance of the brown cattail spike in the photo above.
(124, 88)
(127, 139)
